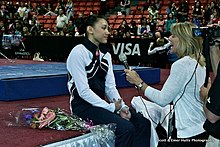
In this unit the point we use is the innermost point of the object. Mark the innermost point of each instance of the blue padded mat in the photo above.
(32, 70)
(25, 81)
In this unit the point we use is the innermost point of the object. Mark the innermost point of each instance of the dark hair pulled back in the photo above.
(91, 21)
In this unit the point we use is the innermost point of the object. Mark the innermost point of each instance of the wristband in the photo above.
(121, 109)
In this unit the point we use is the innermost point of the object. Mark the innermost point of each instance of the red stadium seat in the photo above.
(89, 4)
(86, 13)
(141, 3)
(53, 17)
(112, 17)
(137, 16)
(116, 26)
(40, 17)
(42, 21)
(120, 16)
(128, 20)
(118, 21)
(137, 21)
(47, 17)
(146, 12)
(111, 21)
(51, 21)
(82, 4)
(82, 8)
(96, 3)
(46, 26)
(129, 16)
(89, 8)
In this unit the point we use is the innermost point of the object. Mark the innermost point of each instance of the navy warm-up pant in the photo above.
(133, 133)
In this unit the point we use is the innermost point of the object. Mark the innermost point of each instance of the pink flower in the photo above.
(46, 117)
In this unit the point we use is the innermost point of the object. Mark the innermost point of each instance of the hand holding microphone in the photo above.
(131, 75)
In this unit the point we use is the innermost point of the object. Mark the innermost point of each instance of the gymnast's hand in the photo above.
(117, 104)
(125, 113)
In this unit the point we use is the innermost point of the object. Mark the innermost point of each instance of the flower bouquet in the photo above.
(58, 119)
(55, 119)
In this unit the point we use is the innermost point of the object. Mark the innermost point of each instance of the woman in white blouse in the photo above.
(186, 77)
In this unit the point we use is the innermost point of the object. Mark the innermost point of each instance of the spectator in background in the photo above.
(160, 49)
(183, 11)
(79, 23)
(152, 23)
(213, 5)
(35, 27)
(170, 20)
(26, 17)
(26, 24)
(33, 8)
(103, 7)
(49, 10)
(69, 9)
(125, 7)
(207, 14)
(172, 9)
(61, 20)
(143, 27)
(197, 14)
(146, 5)
(214, 17)
(158, 4)
(218, 6)
(91, 13)
(60, 5)
(22, 9)
(4, 14)
(1, 34)
(42, 10)
(126, 35)
(133, 28)
(123, 28)
(1, 24)
(55, 32)
(153, 11)
(25, 31)
(18, 27)
(11, 26)
(10, 8)
(115, 34)
(160, 23)
(70, 28)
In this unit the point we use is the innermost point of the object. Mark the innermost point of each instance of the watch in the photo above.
(140, 85)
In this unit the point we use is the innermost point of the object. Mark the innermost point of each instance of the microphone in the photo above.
(123, 59)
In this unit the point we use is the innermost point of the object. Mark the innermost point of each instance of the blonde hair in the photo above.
(188, 45)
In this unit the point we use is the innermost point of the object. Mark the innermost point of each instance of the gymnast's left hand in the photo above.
(125, 113)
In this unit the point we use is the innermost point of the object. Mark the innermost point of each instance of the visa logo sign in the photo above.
(126, 48)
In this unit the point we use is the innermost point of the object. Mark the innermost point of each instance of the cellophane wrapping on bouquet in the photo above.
(59, 119)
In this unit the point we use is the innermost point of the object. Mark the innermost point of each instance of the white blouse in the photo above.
(183, 86)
